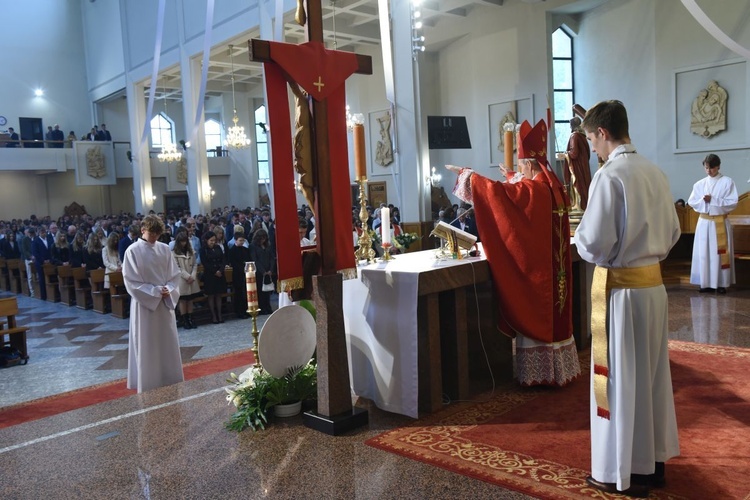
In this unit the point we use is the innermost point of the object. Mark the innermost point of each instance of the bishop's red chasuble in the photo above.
(322, 74)
(526, 239)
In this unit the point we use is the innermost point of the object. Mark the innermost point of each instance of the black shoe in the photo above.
(655, 480)
(721, 290)
(707, 290)
(635, 490)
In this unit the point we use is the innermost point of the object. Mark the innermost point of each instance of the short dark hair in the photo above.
(712, 160)
(609, 115)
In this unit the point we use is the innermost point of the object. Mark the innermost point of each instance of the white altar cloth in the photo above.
(380, 317)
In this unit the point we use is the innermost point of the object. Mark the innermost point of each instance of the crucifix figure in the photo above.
(321, 74)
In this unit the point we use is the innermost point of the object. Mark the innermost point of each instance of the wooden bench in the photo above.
(16, 334)
(99, 294)
(66, 285)
(50, 282)
(14, 274)
(4, 281)
(118, 295)
(24, 278)
(82, 288)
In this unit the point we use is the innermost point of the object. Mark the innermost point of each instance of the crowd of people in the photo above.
(56, 139)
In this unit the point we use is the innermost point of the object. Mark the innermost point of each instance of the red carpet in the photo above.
(538, 442)
(73, 400)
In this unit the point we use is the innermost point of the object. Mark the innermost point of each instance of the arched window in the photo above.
(563, 85)
(162, 130)
(261, 144)
(213, 134)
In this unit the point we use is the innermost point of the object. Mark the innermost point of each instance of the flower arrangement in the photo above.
(255, 392)
(403, 240)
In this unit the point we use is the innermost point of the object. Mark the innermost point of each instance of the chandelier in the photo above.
(169, 151)
(236, 138)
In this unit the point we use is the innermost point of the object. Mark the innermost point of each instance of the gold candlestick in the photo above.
(386, 252)
(253, 311)
(365, 251)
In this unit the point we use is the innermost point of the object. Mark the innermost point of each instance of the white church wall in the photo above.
(49, 57)
(662, 38)
(502, 59)
(105, 59)
(682, 44)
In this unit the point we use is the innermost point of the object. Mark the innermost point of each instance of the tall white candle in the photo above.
(385, 225)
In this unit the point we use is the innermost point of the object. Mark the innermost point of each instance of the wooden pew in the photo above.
(99, 294)
(66, 285)
(14, 275)
(119, 297)
(50, 282)
(16, 334)
(4, 281)
(82, 288)
(24, 278)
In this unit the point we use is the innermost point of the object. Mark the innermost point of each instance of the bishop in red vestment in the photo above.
(525, 233)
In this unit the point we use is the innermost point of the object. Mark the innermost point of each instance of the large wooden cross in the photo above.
(260, 51)
(335, 413)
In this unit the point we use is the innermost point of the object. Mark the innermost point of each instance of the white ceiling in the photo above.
(356, 24)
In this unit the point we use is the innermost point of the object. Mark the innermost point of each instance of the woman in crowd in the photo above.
(93, 257)
(265, 265)
(61, 250)
(220, 238)
(9, 246)
(188, 285)
(78, 250)
(238, 254)
(214, 281)
(111, 257)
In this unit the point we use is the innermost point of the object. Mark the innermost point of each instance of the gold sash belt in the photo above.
(606, 279)
(722, 242)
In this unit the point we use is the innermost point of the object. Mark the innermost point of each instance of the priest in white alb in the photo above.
(151, 277)
(713, 197)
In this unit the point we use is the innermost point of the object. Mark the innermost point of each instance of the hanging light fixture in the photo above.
(169, 151)
(236, 138)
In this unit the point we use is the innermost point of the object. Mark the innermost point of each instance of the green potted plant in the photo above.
(255, 392)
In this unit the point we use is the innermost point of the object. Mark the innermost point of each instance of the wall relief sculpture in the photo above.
(384, 150)
(95, 165)
(708, 114)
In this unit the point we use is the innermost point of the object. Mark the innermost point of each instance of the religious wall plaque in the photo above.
(708, 113)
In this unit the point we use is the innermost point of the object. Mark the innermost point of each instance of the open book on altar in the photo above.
(447, 232)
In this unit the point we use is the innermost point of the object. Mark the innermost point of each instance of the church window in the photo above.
(162, 130)
(213, 134)
(261, 144)
(563, 84)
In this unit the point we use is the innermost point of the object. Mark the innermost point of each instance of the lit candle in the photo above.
(251, 286)
(385, 225)
(508, 140)
(360, 163)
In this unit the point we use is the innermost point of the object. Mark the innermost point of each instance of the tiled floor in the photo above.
(170, 443)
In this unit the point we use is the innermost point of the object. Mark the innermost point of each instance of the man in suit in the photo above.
(58, 136)
(104, 134)
(41, 251)
(465, 223)
(127, 240)
(14, 139)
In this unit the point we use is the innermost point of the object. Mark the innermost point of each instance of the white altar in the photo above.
(381, 321)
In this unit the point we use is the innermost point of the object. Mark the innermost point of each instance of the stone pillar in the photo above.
(142, 190)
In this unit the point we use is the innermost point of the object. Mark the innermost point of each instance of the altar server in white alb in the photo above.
(629, 226)
(151, 277)
(713, 197)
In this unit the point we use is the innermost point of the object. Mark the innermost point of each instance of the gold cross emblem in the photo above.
(319, 84)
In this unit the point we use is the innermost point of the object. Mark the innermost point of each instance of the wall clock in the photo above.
(3, 121)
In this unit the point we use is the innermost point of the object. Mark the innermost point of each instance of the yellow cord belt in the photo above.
(606, 279)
